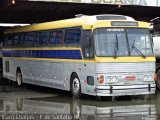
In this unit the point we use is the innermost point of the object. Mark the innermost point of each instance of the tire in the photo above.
(19, 78)
(158, 80)
(75, 86)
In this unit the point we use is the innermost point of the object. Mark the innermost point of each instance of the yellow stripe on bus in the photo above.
(44, 48)
(48, 59)
(97, 59)
(125, 59)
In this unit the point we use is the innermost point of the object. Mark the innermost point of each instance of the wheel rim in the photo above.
(76, 85)
(19, 79)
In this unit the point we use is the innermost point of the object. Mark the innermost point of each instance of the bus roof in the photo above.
(81, 20)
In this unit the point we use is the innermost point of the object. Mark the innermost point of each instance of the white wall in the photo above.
(156, 46)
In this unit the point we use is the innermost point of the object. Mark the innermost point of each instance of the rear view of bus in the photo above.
(124, 60)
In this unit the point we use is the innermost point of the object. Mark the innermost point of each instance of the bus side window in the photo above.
(9, 40)
(44, 39)
(72, 36)
(56, 37)
(16, 39)
(29, 39)
(87, 45)
(38, 39)
(20, 42)
(5, 41)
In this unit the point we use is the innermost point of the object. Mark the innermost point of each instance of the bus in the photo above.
(98, 55)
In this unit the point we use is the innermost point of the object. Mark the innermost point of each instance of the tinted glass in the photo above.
(56, 37)
(72, 36)
(122, 42)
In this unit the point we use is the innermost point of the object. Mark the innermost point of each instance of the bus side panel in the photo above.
(11, 66)
(48, 73)
(88, 70)
(43, 73)
(52, 74)
(8, 69)
(25, 67)
(82, 70)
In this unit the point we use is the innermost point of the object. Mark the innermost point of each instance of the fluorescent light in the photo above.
(12, 24)
(154, 19)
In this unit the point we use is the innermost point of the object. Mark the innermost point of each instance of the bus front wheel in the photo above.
(158, 80)
(75, 86)
(19, 77)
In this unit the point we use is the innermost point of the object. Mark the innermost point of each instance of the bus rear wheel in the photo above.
(75, 86)
(19, 78)
(158, 80)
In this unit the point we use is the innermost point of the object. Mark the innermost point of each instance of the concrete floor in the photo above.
(34, 103)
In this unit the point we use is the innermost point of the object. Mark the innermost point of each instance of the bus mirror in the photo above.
(88, 41)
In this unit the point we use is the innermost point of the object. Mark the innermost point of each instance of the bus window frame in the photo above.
(23, 40)
(44, 43)
(51, 32)
(74, 45)
(91, 45)
(40, 38)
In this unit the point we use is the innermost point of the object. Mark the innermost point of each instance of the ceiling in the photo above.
(24, 11)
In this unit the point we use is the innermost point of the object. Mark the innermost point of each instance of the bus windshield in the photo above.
(122, 42)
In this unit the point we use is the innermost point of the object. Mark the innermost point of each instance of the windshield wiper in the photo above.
(137, 50)
(116, 47)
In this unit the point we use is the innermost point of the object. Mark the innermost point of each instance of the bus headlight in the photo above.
(148, 77)
(111, 79)
(145, 77)
(100, 79)
(114, 79)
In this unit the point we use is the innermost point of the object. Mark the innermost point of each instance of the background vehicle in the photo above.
(156, 48)
(101, 55)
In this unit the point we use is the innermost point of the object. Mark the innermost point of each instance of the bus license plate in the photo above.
(130, 78)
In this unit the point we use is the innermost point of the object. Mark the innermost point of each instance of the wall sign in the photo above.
(122, 2)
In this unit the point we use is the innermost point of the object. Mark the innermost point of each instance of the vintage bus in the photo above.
(99, 55)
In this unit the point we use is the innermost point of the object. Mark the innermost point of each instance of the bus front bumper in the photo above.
(122, 90)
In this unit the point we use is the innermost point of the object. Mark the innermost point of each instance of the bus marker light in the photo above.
(84, 81)
(155, 76)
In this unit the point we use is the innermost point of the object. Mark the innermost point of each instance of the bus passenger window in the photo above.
(44, 38)
(72, 36)
(29, 39)
(9, 40)
(38, 38)
(16, 40)
(56, 37)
